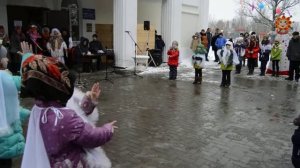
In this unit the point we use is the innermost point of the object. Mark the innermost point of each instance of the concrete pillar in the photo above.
(204, 14)
(125, 19)
(171, 22)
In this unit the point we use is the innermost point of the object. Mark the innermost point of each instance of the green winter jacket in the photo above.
(227, 67)
(13, 145)
(276, 53)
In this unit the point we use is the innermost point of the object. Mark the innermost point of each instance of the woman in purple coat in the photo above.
(57, 137)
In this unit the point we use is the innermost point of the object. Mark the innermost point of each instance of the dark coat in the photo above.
(81, 49)
(213, 42)
(159, 44)
(293, 51)
(296, 148)
(15, 42)
(95, 46)
(209, 38)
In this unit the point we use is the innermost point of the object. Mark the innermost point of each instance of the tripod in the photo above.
(106, 72)
(148, 53)
(135, 53)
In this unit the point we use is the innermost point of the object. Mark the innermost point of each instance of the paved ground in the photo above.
(174, 124)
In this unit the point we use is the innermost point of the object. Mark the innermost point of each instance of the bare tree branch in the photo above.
(267, 16)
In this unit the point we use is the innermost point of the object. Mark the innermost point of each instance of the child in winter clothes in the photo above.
(228, 58)
(276, 57)
(296, 144)
(198, 62)
(239, 48)
(96, 157)
(252, 51)
(173, 54)
(57, 136)
(265, 50)
(12, 116)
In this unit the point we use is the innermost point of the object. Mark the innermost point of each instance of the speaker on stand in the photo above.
(147, 25)
(147, 28)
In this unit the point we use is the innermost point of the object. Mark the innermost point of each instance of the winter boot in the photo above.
(273, 73)
(196, 80)
(277, 74)
(200, 80)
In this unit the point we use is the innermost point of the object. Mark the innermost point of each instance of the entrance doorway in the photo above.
(25, 15)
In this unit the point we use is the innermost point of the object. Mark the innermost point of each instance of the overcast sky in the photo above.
(226, 9)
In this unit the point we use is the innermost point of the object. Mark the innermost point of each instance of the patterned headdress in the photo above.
(47, 79)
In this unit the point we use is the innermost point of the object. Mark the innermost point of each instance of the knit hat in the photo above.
(46, 79)
(229, 43)
(297, 121)
(295, 33)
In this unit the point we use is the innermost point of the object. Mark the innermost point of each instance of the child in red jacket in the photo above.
(173, 57)
(252, 54)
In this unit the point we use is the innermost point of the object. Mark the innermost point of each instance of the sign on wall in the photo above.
(89, 27)
(88, 14)
(18, 23)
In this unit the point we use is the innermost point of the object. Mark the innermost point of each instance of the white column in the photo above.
(125, 19)
(171, 22)
(204, 14)
(3, 14)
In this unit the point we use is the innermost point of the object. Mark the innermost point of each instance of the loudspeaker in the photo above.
(146, 25)
(157, 57)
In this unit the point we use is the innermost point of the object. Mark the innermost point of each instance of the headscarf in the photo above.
(228, 57)
(9, 103)
(46, 79)
(253, 42)
(33, 33)
(55, 40)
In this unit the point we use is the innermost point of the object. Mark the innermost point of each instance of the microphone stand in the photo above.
(106, 72)
(135, 53)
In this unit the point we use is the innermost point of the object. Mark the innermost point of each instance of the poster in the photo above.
(89, 27)
(18, 23)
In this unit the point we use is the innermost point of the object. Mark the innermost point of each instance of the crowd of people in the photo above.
(48, 42)
(235, 53)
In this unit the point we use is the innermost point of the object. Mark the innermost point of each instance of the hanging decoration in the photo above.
(278, 11)
(261, 6)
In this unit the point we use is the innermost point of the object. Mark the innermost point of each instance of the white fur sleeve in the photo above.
(74, 103)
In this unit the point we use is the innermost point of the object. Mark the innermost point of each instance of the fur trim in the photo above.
(75, 103)
(95, 157)
(6, 131)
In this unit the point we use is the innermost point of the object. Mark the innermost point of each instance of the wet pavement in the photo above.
(175, 124)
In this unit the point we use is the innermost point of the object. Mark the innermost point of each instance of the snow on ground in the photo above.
(186, 71)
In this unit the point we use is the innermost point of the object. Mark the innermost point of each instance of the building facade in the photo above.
(173, 19)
